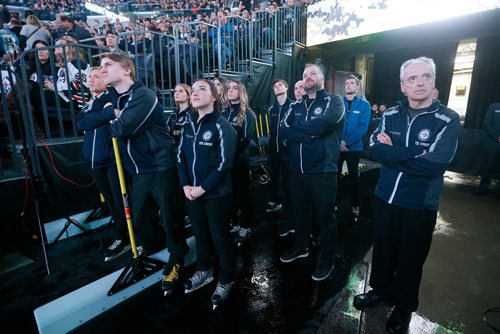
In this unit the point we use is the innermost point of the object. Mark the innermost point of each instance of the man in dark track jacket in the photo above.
(415, 142)
(311, 128)
(149, 156)
(276, 156)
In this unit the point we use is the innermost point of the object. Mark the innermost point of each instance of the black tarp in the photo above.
(387, 88)
(485, 82)
(67, 186)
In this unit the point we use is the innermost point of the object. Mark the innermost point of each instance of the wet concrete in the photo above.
(459, 282)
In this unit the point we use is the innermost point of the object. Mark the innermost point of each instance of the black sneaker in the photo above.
(293, 255)
(168, 282)
(273, 207)
(283, 231)
(323, 270)
(116, 249)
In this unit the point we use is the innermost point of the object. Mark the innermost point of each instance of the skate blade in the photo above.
(109, 258)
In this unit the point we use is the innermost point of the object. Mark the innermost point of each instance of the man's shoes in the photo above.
(117, 248)
(221, 293)
(370, 300)
(355, 213)
(285, 230)
(398, 322)
(273, 207)
(294, 254)
(241, 236)
(198, 280)
(323, 270)
(169, 280)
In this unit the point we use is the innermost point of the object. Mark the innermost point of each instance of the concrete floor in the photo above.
(461, 275)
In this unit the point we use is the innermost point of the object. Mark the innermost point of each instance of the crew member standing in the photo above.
(312, 128)
(356, 124)
(415, 142)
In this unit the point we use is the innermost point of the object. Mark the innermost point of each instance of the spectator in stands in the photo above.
(298, 90)
(312, 129)
(97, 149)
(280, 193)
(149, 157)
(415, 143)
(4, 16)
(15, 27)
(204, 163)
(491, 149)
(112, 43)
(357, 120)
(79, 32)
(33, 31)
(71, 87)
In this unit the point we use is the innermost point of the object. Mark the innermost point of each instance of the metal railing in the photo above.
(195, 50)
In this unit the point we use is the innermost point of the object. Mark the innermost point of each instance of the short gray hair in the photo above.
(424, 60)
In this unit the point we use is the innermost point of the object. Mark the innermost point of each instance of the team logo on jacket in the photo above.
(235, 119)
(424, 134)
(181, 119)
(318, 111)
(207, 135)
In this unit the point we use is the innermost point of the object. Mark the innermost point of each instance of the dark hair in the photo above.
(213, 90)
(39, 41)
(279, 80)
(65, 18)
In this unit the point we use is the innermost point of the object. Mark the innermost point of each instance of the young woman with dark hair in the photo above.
(205, 157)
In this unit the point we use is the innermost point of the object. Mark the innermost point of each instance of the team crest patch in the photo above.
(318, 111)
(235, 119)
(207, 135)
(181, 119)
(424, 135)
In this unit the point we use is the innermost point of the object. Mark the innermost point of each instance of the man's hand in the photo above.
(117, 113)
(187, 192)
(384, 139)
(343, 146)
(197, 192)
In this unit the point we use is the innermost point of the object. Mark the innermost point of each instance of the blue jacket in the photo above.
(412, 169)
(244, 133)
(313, 133)
(357, 120)
(206, 153)
(94, 121)
(141, 128)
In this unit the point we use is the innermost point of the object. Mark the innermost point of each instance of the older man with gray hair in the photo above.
(415, 142)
